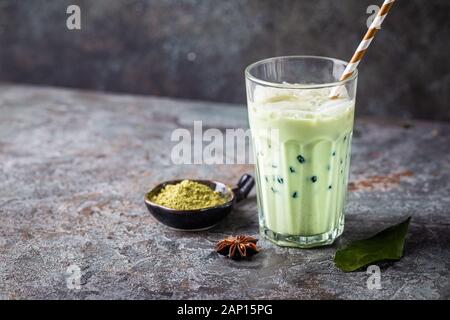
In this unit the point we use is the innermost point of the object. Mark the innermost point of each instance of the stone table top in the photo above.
(75, 166)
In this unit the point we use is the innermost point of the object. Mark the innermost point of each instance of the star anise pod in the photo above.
(237, 247)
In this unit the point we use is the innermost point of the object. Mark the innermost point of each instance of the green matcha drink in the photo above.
(301, 142)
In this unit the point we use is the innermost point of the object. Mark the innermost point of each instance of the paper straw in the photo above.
(364, 44)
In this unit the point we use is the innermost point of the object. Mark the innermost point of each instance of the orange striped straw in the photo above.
(364, 44)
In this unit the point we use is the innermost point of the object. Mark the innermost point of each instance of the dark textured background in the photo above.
(198, 49)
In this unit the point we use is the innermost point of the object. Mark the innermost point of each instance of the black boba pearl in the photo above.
(313, 178)
(300, 159)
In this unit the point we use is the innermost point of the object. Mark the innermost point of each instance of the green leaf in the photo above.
(385, 245)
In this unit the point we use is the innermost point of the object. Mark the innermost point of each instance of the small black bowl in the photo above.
(199, 219)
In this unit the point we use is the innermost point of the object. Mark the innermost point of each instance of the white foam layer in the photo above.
(311, 103)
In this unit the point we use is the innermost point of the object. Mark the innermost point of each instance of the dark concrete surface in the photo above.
(198, 49)
(74, 167)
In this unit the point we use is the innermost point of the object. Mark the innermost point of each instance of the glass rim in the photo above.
(249, 76)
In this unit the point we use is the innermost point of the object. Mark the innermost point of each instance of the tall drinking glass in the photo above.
(301, 119)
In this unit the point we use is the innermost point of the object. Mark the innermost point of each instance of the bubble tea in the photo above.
(301, 143)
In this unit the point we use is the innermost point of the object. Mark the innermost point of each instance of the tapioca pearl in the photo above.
(345, 138)
(301, 159)
(273, 190)
(334, 153)
(280, 180)
(314, 179)
(329, 187)
(266, 178)
(328, 167)
(295, 194)
(291, 169)
(274, 166)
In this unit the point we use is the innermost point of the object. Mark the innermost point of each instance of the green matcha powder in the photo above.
(188, 195)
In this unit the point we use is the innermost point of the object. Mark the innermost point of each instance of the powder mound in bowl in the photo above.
(188, 195)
